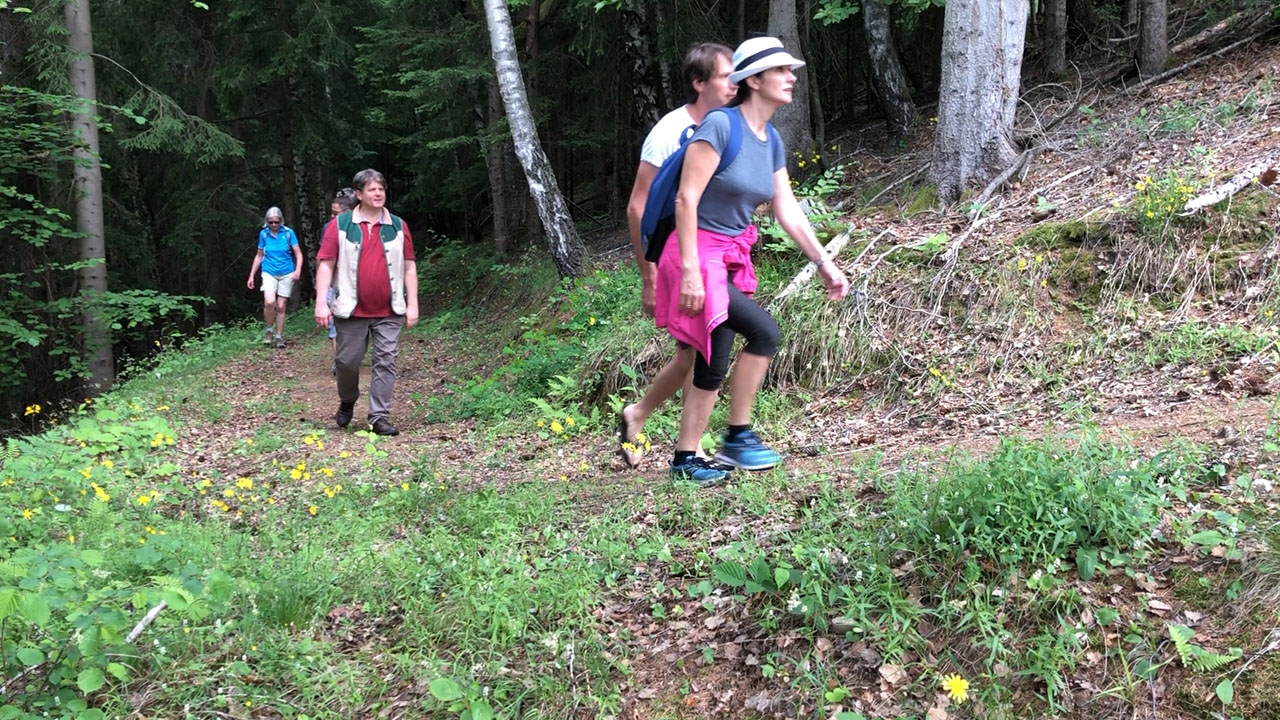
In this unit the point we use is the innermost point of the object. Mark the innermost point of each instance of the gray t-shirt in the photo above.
(733, 193)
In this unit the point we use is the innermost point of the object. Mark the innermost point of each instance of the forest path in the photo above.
(285, 395)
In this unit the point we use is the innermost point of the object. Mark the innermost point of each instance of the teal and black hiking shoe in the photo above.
(746, 452)
(699, 471)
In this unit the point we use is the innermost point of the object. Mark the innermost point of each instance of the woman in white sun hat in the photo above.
(705, 280)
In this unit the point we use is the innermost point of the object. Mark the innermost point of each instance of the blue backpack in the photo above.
(659, 217)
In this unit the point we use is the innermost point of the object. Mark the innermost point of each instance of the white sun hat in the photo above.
(759, 54)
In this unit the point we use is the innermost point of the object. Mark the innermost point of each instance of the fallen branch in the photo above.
(1242, 180)
(806, 274)
(1207, 36)
(1020, 162)
(1059, 181)
(1157, 79)
(144, 622)
(895, 184)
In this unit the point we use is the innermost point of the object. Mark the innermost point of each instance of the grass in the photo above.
(334, 584)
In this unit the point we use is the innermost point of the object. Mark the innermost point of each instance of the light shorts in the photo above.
(278, 285)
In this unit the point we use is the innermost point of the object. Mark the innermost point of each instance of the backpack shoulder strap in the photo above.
(734, 144)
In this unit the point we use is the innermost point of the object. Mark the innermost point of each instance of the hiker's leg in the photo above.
(672, 376)
(760, 330)
(386, 346)
(352, 340)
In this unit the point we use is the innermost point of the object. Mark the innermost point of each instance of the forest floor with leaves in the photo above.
(1051, 495)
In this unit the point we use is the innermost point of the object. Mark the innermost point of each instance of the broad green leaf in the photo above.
(92, 558)
(1086, 562)
(30, 656)
(92, 714)
(174, 599)
(8, 601)
(481, 710)
(1106, 616)
(780, 577)
(730, 573)
(444, 689)
(35, 609)
(1208, 538)
(118, 671)
(1226, 691)
(90, 680)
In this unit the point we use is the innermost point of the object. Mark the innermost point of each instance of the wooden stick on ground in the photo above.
(1242, 180)
(1157, 79)
(833, 248)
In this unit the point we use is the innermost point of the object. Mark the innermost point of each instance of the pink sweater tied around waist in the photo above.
(719, 256)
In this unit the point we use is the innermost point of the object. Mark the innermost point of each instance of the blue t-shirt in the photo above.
(733, 193)
(277, 257)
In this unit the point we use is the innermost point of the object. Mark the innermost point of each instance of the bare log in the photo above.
(1243, 179)
(145, 621)
(1157, 79)
(806, 274)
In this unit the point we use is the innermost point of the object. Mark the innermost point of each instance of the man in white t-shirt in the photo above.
(707, 87)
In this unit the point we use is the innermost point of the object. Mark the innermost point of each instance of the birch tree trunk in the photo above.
(87, 181)
(1055, 26)
(886, 69)
(792, 120)
(671, 99)
(1153, 36)
(566, 246)
(982, 44)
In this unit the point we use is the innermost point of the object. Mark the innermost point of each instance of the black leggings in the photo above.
(745, 318)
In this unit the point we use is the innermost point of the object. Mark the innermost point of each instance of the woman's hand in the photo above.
(692, 293)
(250, 283)
(837, 284)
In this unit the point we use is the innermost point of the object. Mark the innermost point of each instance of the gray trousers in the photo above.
(353, 339)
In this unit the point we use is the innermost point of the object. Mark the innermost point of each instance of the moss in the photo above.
(925, 200)
(1056, 235)
(1075, 270)
(1199, 592)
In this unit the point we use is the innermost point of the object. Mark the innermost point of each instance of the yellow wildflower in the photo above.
(108, 464)
(71, 538)
(569, 421)
(245, 483)
(27, 514)
(592, 320)
(312, 509)
(144, 499)
(296, 474)
(32, 410)
(404, 486)
(248, 441)
(162, 408)
(229, 493)
(556, 427)
(956, 687)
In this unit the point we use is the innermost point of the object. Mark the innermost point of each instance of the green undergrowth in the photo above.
(336, 585)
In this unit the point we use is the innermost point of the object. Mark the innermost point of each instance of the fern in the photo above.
(1195, 657)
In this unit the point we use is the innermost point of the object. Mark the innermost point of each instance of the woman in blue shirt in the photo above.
(281, 261)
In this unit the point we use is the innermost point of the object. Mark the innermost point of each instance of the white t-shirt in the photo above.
(664, 138)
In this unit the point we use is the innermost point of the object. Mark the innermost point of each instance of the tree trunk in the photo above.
(792, 120)
(670, 98)
(1055, 27)
(1153, 36)
(562, 237)
(533, 224)
(635, 42)
(742, 21)
(982, 43)
(87, 178)
(886, 69)
(815, 99)
(494, 158)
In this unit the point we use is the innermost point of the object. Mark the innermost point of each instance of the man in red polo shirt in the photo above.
(367, 256)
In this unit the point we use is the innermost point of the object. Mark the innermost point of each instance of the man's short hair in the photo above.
(364, 177)
(346, 199)
(700, 65)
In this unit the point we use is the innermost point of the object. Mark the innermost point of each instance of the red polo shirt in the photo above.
(373, 291)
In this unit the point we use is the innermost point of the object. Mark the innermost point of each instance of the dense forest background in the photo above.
(211, 112)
